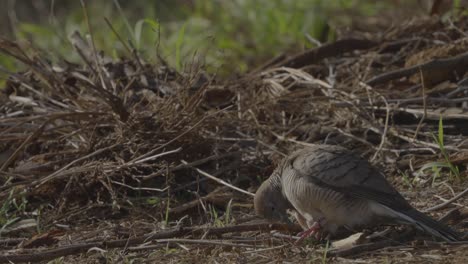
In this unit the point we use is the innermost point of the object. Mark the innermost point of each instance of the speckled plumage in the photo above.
(339, 188)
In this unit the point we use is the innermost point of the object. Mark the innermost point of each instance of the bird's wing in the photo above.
(343, 171)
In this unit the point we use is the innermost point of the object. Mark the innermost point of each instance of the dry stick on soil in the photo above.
(48, 254)
(362, 248)
(183, 208)
(18, 122)
(384, 134)
(81, 248)
(132, 51)
(180, 135)
(81, 46)
(221, 243)
(355, 138)
(219, 180)
(410, 140)
(24, 83)
(283, 138)
(387, 117)
(132, 163)
(433, 65)
(448, 202)
(423, 87)
(42, 71)
(432, 115)
(263, 249)
(93, 46)
(139, 188)
(269, 64)
(443, 100)
(112, 100)
(455, 215)
(117, 35)
(254, 226)
(115, 102)
(373, 246)
(328, 50)
(154, 156)
(8, 242)
(31, 137)
(454, 203)
(438, 244)
(38, 132)
(191, 164)
(210, 197)
(57, 173)
(203, 242)
(231, 166)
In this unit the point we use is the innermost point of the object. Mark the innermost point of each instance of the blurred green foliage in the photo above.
(226, 36)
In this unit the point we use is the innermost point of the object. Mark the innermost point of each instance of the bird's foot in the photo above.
(314, 230)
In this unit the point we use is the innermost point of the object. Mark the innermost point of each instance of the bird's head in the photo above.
(270, 203)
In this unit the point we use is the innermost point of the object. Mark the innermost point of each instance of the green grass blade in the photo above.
(179, 42)
(441, 134)
(138, 30)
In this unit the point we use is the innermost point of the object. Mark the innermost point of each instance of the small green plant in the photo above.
(152, 200)
(227, 214)
(166, 218)
(214, 216)
(138, 31)
(325, 252)
(436, 167)
(57, 261)
(406, 179)
(170, 250)
(454, 171)
(178, 47)
(11, 210)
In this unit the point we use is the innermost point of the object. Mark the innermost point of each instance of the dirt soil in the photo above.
(129, 162)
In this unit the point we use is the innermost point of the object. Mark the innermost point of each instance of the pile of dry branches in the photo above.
(102, 139)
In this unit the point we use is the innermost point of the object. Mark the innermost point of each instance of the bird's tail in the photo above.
(429, 225)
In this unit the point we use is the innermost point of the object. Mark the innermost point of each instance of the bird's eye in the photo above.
(273, 208)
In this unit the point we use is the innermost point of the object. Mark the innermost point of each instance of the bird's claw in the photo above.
(314, 230)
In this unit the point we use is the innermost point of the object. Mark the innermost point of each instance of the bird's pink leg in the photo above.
(314, 230)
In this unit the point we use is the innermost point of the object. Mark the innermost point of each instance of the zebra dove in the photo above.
(330, 187)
